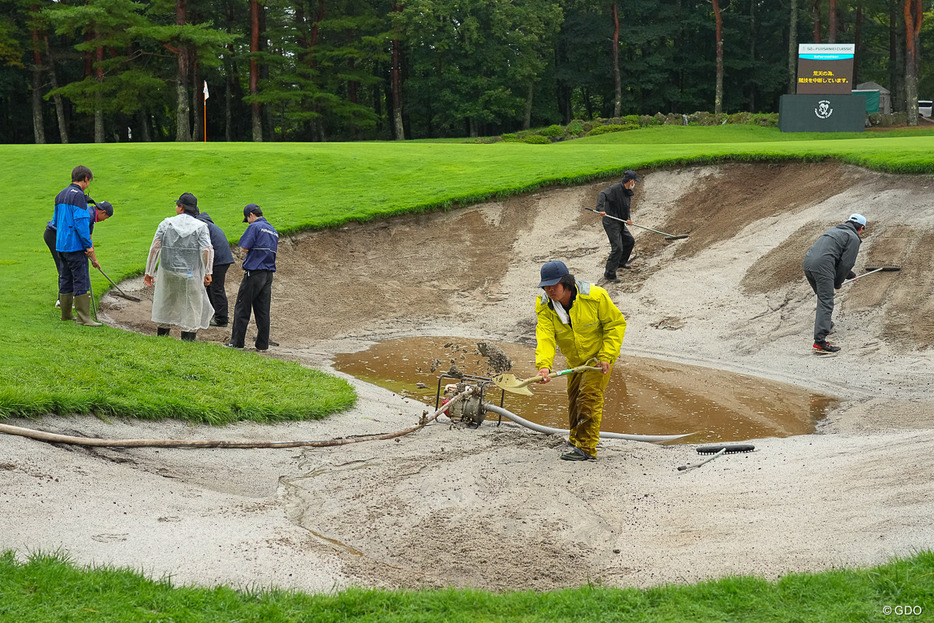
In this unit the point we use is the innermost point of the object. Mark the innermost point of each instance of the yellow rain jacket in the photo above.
(596, 330)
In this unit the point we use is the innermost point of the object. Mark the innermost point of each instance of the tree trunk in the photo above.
(397, 125)
(817, 22)
(197, 104)
(753, 91)
(144, 129)
(617, 82)
(98, 98)
(858, 44)
(832, 22)
(793, 49)
(182, 111)
(718, 95)
(254, 72)
(527, 120)
(894, 50)
(38, 126)
(913, 14)
(57, 99)
(228, 107)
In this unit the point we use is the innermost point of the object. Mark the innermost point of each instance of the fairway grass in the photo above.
(62, 368)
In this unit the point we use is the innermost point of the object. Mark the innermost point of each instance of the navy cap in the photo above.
(105, 207)
(187, 200)
(552, 272)
(630, 175)
(251, 208)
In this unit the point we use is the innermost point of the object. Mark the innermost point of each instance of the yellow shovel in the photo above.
(510, 383)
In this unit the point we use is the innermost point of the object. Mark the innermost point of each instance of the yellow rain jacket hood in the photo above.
(596, 330)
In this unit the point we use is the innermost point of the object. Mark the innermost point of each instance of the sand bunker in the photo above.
(494, 508)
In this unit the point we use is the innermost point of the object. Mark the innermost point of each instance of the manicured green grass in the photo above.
(49, 588)
(49, 366)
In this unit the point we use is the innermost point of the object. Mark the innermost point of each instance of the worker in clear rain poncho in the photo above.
(180, 265)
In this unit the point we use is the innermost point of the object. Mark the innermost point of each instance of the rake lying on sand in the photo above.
(510, 383)
(667, 236)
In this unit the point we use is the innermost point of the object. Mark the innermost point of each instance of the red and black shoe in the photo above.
(825, 347)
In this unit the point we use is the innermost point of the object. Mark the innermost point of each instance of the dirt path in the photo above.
(495, 508)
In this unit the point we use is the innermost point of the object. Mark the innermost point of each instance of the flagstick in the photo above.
(205, 97)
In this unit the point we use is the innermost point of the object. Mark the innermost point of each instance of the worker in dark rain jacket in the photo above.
(827, 264)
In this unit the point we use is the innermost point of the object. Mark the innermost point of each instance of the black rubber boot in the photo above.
(162, 331)
(189, 336)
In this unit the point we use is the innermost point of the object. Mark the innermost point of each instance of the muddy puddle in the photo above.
(645, 396)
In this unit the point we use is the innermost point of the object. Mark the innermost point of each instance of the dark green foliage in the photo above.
(611, 127)
(553, 131)
(328, 71)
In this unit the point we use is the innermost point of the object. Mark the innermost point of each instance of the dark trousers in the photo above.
(75, 277)
(822, 284)
(217, 294)
(49, 237)
(621, 245)
(255, 294)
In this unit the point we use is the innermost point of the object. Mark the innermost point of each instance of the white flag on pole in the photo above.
(206, 94)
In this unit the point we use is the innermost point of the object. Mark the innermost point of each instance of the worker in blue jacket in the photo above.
(260, 242)
(97, 212)
(73, 243)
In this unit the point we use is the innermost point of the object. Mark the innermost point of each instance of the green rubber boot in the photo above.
(83, 311)
(66, 301)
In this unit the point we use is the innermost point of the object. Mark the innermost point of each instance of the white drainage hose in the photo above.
(558, 431)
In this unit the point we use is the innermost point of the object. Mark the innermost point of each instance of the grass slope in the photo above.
(56, 367)
(49, 588)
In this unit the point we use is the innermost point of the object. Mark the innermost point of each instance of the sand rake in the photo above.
(874, 269)
(510, 383)
(667, 236)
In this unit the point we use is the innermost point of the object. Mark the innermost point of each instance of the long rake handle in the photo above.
(863, 275)
(125, 295)
(633, 224)
(684, 468)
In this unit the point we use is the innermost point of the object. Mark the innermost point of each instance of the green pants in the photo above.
(585, 408)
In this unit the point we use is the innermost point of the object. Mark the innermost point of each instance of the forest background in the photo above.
(343, 70)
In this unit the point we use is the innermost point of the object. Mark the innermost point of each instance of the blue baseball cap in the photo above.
(552, 272)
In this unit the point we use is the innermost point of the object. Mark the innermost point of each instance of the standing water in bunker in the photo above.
(644, 396)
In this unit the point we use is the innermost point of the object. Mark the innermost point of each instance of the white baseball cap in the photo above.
(859, 219)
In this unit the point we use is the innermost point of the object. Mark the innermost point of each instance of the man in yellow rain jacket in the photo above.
(581, 320)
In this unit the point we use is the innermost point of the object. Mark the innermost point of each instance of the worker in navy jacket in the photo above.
(260, 242)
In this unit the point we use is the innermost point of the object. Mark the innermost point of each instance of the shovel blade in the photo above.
(510, 383)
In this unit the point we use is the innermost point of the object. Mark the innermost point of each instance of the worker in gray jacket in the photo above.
(827, 264)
